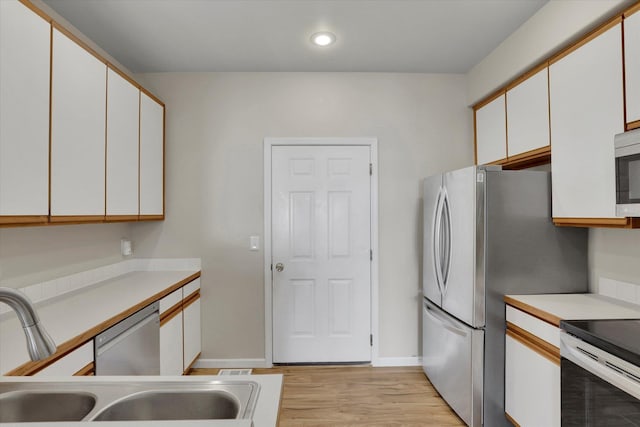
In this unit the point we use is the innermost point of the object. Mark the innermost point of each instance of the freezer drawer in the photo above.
(452, 358)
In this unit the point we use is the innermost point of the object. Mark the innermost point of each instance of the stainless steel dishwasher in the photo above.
(132, 346)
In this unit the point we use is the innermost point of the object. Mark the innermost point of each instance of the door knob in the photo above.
(279, 267)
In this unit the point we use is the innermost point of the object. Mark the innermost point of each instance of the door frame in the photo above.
(372, 143)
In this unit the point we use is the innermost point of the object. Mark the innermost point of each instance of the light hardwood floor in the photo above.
(357, 396)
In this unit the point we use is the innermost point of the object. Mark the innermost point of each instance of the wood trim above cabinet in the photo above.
(598, 222)
(186, 371)
(633, 9)
(170, 313)
(531, 342)
(633, 125)
(586, 39)
(191, 299)
(533, 311)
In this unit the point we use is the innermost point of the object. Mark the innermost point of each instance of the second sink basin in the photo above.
(29, 406)
(172, 405)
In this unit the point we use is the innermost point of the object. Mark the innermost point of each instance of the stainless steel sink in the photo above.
(35, 406)
(173, 405)
(119, 400)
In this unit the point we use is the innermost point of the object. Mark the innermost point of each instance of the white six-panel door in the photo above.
(321, 234)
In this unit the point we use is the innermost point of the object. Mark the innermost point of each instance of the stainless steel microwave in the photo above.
(627, 152)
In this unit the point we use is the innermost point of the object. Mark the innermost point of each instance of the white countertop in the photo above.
(75, 313)
(580, 306)
(265, 414)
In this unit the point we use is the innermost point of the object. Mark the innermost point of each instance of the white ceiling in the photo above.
(430, 36)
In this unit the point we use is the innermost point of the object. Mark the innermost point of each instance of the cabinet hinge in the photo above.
(370, 254)
(371, 340)
(370, 168)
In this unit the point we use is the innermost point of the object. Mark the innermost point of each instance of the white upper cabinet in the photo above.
(528, 114)
(123, 118)
(78, 110)
(632, 66)
(586, 97)
(24, 111)
(151, 156)
(491, 131)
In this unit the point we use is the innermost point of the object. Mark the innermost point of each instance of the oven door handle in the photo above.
(605, 370)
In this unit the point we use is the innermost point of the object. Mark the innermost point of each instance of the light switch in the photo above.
(125, 247)
(254, 243)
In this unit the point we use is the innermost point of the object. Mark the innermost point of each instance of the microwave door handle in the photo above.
(436, 244)
(444, 322)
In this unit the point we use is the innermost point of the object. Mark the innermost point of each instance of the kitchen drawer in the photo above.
(190, 288)
(533, 325)
(170, 300)
(71, 363)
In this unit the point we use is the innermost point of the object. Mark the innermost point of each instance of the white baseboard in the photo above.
(397, 361)
(231, 363)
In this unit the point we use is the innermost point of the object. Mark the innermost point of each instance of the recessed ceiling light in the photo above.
(323, 38)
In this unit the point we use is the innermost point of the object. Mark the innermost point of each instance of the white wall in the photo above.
(612, 253)
(555, 25)
(216, 123)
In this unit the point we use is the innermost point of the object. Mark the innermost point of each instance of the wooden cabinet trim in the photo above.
(190, 299)
(633, 125)
(37, 11)
(86, 371)
(186, 371)
(586, 39)
(598, 222)
(533, 311)
(23, 219)
(526, 341)
(170, 313)
(120, 218)
(633, 9)
(488, 99)
(528, 74)
(77, 218)
(30, 368)
(150, 217)
(511, 420)
(537, 157)
(534, 340)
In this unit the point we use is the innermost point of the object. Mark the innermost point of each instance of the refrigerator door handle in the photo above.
(443, 321)
(437, 244)
(446, 265)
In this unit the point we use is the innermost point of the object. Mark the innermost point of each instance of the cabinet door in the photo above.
(171, 346)
(24, 112)
(192, 343)
(78, 110)
(491, 132)
(632, 67)
(123, 118)
(532, 386)
(73, 363)
(586, 97)
(151, 157)
(528, 114)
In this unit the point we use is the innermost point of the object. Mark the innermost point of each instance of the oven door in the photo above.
(597, 389)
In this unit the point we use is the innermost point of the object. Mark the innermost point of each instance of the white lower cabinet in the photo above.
(71, 364)
(171, 346)
(192, 340)
(532, 386)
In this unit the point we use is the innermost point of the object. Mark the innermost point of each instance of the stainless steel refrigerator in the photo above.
(487, 233)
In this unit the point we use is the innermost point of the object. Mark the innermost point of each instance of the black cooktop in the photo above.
(620, 337)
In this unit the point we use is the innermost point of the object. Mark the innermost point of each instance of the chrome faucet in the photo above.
(39, 343)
